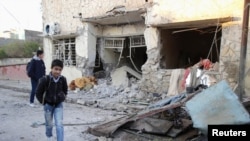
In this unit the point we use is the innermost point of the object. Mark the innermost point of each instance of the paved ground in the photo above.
(17, 119)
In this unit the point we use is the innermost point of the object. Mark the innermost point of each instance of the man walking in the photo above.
(36, 71)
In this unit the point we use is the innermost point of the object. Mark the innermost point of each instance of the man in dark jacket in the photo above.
(36, 71)
(51, 92)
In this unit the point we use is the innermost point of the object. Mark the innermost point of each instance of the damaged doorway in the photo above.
(182, 48)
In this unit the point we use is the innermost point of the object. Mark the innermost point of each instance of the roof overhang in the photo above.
(61, 36)
(195, 23)
(126, 17)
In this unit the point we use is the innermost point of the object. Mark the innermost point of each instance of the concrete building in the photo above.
(153, 37)
(13, 35)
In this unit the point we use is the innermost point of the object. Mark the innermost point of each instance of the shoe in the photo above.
(32, 105)
(49, 138)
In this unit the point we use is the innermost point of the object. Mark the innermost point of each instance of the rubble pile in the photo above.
(195, 99)
(103, 94)
(183, 117)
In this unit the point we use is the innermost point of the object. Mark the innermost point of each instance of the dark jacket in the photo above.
(36, 69)
(55, 92)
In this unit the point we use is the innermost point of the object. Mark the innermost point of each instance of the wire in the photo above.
(11, 15)
(214, 40)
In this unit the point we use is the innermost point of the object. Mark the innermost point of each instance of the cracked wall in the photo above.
(159, 12)
(154, 79)
(66, 13)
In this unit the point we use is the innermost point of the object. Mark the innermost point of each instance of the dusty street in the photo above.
(17, 119)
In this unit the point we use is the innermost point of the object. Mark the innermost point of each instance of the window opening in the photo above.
(135, 42)
(114, 42)
(64, 49)
(131, 49)
(184, 49)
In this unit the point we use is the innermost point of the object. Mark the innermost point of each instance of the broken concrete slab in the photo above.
(152, 125)
(86, 102)
(132, 72)
(216, 105)
(119, 77)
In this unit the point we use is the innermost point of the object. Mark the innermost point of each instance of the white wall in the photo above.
(47, 53)
(170, 11)
(125, 30)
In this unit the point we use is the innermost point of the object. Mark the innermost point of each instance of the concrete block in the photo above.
(119, 78)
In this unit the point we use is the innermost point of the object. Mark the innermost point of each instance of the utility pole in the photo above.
(243, 51)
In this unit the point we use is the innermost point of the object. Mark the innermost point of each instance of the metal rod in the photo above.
(243, 50)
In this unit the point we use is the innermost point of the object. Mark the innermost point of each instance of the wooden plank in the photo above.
(107, 129)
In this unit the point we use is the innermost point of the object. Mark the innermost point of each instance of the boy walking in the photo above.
(51, 92)
(35, 72)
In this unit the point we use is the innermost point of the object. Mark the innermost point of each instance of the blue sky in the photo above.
(20, 14)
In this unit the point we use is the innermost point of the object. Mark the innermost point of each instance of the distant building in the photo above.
(31, 35)
(11, 35)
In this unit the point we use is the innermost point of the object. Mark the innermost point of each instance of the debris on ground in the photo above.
(197, 96)
(182, 117)
(83, 83)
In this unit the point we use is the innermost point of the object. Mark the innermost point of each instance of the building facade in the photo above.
(153, 37)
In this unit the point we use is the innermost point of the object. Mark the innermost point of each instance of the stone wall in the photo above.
(230, 53)
(154, 79)
(157, 80)
(166, 11)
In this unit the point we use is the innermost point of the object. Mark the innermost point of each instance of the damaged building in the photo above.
(150, 39)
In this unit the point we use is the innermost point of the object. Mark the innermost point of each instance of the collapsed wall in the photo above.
(154, 79)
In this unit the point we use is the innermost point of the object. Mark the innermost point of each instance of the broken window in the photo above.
(137, 41)
(64, 49)
(182, 48)
(113, 42)
(129, 51)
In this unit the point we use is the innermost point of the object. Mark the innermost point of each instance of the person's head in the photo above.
(39, 53)
(56, 67)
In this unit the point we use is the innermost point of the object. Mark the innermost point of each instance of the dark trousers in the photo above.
(34, 84)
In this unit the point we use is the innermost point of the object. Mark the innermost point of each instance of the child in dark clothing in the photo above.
(35, 71)
(51, 92)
